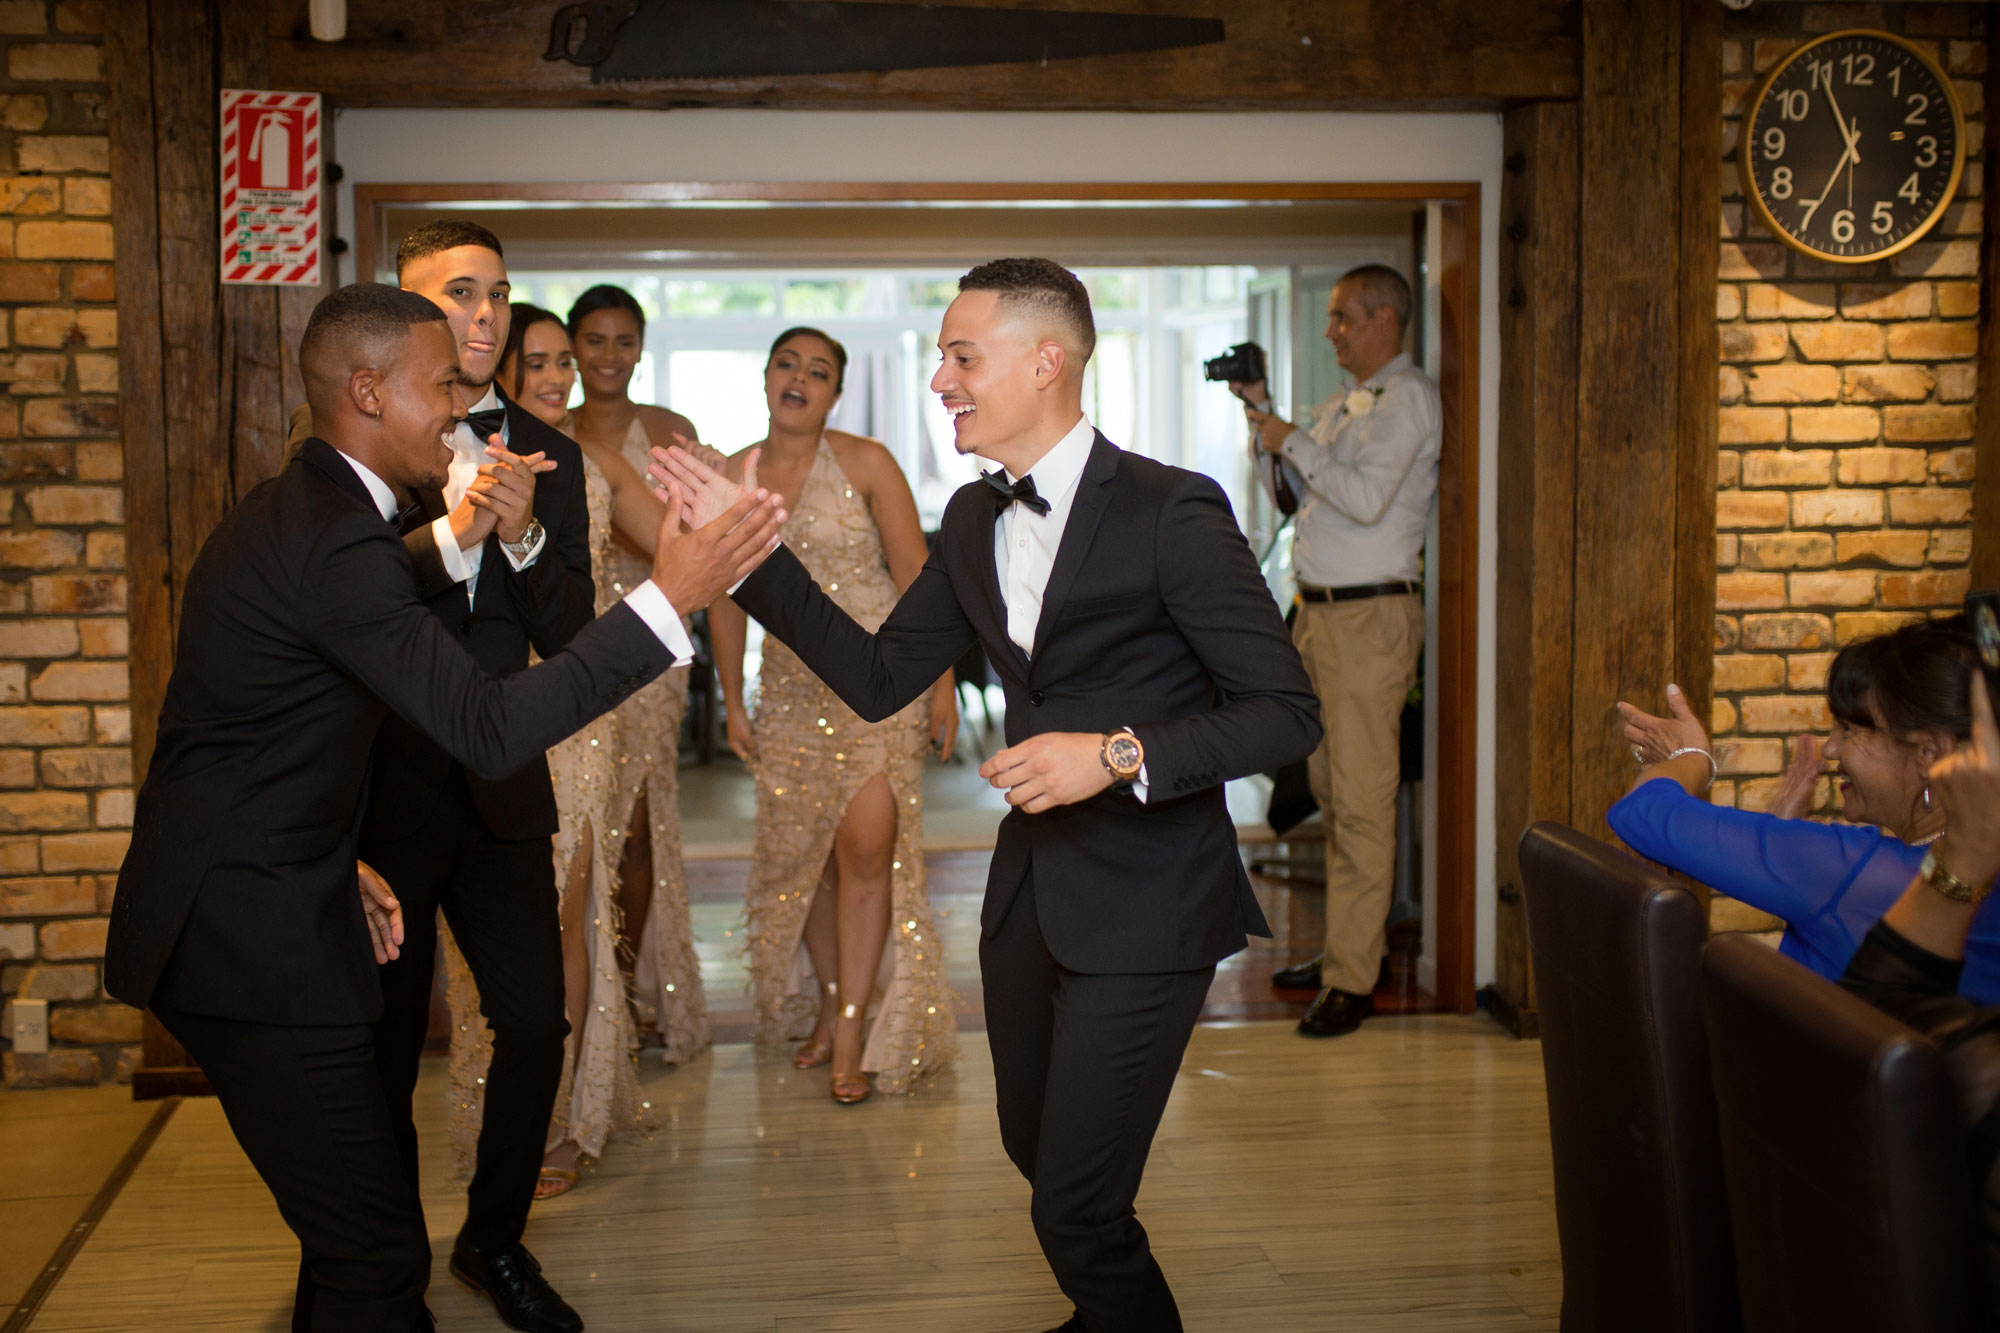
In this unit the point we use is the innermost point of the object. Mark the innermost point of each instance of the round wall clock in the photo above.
(1852, 146)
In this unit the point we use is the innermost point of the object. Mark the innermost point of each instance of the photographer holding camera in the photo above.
(1364, 477)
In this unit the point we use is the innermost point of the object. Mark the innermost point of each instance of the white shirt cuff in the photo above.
(522, 562)
(1139, 785)
(455, 563)
(661, 618)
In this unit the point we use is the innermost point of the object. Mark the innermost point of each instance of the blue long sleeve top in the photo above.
(1829, 883)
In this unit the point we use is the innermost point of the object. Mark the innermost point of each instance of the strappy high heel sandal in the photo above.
(813, 1052)
(850, 1087)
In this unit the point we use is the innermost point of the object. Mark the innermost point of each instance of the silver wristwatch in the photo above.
(530, 535)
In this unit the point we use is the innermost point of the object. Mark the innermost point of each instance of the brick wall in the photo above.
(1846, 418)
(65, 730)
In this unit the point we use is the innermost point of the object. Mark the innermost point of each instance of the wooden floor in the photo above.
(1396, 1179)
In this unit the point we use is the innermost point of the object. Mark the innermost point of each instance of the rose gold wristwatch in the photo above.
(1122, 754)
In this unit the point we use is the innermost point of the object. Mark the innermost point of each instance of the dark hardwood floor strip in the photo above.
(23, 1314)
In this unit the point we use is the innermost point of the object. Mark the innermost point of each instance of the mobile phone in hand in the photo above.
(1982, 609)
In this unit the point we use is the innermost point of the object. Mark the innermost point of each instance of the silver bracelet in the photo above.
(1696, 749)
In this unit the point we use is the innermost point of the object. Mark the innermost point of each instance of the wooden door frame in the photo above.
(1456, 650)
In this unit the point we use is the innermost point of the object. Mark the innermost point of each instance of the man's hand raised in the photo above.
(705, 492)
(695, 567)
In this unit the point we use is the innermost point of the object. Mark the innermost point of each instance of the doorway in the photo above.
(1304, 230)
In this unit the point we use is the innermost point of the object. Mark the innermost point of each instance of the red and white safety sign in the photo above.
(270, 188)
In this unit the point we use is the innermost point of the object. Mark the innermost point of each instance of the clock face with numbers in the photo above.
(1852, 146)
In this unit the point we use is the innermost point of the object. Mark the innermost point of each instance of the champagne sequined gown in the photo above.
(598, 774)
(813, 756)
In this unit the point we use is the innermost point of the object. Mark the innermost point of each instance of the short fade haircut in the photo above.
(1041, 285)
(437, 237)
(361, 314)
(1382, 286)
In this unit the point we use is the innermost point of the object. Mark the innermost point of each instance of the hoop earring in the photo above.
(1927, 798)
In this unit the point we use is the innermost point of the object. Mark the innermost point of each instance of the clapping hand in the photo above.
(383, 913)
(506, 487)
(1654, 738)
(1793, 799)
(1966, 785)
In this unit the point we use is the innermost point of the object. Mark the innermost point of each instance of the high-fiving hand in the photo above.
(718, 549)
(705, 490)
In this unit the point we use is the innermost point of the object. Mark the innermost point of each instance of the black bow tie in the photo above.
(409, 517)
(486, 422)
(1021, 492)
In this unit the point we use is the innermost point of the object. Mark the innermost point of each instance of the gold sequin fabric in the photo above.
(600, 1098)
(666, 977)
(814, 755)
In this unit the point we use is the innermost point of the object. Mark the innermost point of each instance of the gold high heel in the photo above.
(813, 1052)
(850, 1087)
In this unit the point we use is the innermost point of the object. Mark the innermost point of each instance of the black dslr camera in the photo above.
(1243, 363)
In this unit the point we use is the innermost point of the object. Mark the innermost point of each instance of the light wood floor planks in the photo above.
(1397, 1179)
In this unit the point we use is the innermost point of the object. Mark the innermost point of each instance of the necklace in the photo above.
(1925, 842)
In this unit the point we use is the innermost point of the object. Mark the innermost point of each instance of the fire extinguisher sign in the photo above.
(270, 188)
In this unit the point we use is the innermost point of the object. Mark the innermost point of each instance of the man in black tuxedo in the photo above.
(502, 556)
(237, 919)
(1145, 664)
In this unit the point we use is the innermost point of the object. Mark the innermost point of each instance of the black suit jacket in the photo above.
(540, 607)
(300, 630)
(1156, 618)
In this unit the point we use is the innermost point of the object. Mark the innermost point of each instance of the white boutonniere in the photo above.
(1362, 401)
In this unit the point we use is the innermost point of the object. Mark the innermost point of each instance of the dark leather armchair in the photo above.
(1849, 1188)
(1640, 1208)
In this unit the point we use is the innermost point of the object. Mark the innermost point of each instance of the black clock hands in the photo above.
(1849, 158)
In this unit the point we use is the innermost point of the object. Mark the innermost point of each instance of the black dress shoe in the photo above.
(521, 1296)
(1299, 976)
(1336, 1013)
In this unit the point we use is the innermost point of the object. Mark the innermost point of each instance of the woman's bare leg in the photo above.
(635, 884)
(864, 849)
(822, 941)
(576, 982)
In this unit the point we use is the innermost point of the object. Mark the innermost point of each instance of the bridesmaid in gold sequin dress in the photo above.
(599, 1095)
(608, 329)
(837, 892)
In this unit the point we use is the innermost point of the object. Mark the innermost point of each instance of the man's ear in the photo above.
(1050, 358)
(364, 390)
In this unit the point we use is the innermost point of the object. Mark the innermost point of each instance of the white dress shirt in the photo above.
(1025, 543)
(647, 600)
(468, 453)
(1365, 482)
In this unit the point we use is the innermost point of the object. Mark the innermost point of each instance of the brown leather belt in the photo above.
(1395, 588)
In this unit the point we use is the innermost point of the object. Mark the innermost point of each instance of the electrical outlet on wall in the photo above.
(28, 1026)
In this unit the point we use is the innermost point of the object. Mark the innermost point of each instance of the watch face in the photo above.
(1125, 754)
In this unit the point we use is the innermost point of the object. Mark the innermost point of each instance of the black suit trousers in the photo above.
(500, 900)
(1082, 1068)
(306, 1105)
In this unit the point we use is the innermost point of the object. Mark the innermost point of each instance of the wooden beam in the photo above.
(1457, 646)
(1358, 54)
(1628, 470)
(141, 384)
(252, 384)
(1537, 514)
(1699, 345)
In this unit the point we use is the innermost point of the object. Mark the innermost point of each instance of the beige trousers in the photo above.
(1362, 657)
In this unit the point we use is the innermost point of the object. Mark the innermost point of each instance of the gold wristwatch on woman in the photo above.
(1951, 886)
(1123, 756)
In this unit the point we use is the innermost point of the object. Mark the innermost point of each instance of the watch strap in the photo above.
(1951, 886)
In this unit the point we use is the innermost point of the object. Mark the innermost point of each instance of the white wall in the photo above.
(382, 146)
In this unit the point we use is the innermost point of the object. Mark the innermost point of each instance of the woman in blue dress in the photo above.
(1899, 704)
